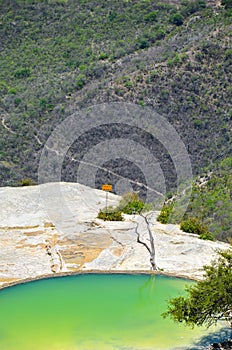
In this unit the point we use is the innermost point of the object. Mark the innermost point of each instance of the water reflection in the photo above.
(148, 296)
(146, 291)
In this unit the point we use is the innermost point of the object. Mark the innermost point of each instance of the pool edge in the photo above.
(85, 272)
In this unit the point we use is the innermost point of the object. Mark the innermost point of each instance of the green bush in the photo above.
(143, 44)
(226, 164)
(207, 236)
(197, 123)
(191, 7)
(17, 101)
(176, 19)
(80, 81)
(3, 87)
(22, 73)
(194, 225)
(110, 215)
(164, 215)
(133, 207)
(26, 182)
(103, 56)
(128, 84)
(151, 17)
(12, 91)
(130, 204)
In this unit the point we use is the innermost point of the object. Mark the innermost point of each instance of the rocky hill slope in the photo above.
(59, 56)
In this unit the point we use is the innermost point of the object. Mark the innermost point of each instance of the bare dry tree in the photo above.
(151, 245)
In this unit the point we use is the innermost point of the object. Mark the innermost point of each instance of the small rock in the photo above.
(55, 268)
(48, 224)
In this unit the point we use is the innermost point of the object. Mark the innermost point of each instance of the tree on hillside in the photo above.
(209, 300)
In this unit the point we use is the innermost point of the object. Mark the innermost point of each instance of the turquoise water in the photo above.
(93, 312)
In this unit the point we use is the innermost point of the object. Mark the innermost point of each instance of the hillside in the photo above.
(60, 56)
(174, 57)
(210, 204)
(212, 201)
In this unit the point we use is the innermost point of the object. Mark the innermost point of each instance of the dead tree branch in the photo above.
(151, 246)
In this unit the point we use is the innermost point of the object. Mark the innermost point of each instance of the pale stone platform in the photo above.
(52, 229)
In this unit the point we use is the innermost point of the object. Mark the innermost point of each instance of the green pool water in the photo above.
(93, 312)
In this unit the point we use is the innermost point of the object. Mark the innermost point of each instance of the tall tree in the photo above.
(210, 299)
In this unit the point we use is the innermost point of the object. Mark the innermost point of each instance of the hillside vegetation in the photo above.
(211, 201)
(60, 56)
(209, 212)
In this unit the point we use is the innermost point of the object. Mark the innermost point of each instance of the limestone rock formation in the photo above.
(52, 229)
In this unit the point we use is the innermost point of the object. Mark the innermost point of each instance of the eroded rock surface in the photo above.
(37, 238)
